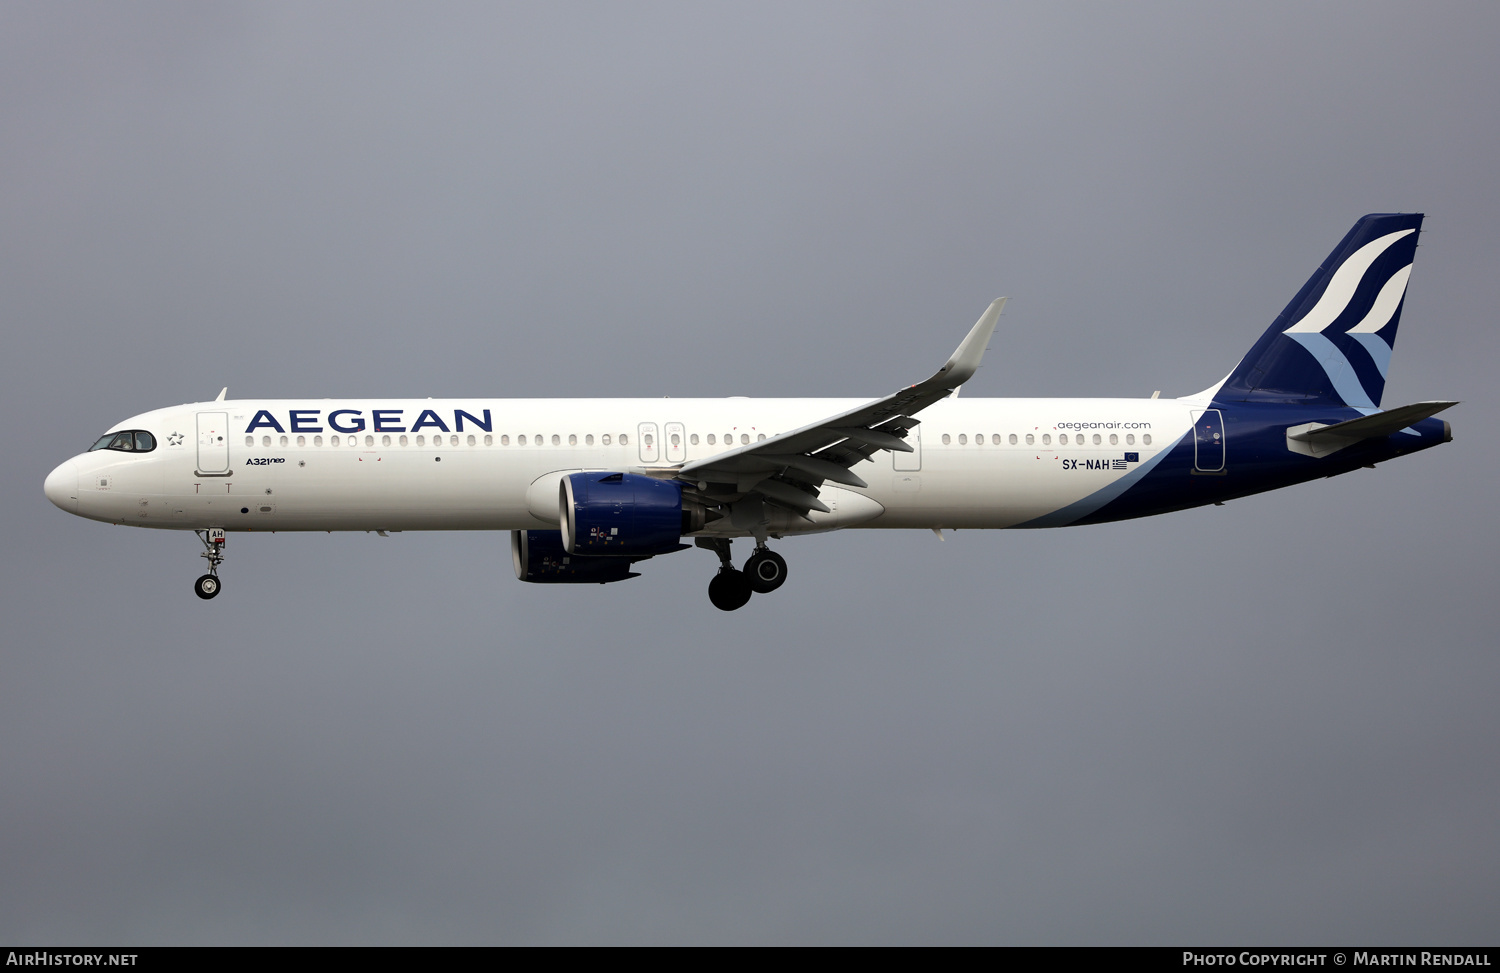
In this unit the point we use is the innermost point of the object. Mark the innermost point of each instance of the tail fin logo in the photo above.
(1332, 343)
(1347, 283)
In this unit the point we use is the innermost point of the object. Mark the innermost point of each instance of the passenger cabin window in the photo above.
(130, 441)
(1013, 439)
(604, 439)
(1047, 439)
(1096, 439)
(1146, 439)
(1030, 439)
(1130, 439)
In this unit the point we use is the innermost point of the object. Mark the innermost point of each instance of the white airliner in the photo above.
(590, 487)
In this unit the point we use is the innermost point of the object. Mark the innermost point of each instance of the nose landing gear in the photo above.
(209, 585)
(730, 589)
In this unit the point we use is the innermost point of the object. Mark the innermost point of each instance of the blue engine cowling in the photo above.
(539, 558)
(621, 515)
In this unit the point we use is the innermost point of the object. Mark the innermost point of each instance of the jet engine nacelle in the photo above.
(623, 515)
(539, 558)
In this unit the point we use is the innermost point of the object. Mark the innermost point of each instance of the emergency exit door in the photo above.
(1208, 441)
(912, 461)
(213, 442)
(646, 441)
(676, 442)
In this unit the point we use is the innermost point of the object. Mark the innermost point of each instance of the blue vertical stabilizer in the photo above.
(1332, 345)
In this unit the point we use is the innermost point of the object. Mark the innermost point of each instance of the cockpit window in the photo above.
(130, 441)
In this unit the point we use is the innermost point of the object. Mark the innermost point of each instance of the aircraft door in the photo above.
(1208, 441)
(676, 442)
(646, 437)
(213, 442)
(912, 461)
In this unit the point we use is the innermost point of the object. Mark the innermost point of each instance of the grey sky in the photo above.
(1273, 721)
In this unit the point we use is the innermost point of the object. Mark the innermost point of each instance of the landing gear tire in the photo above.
(207, 586)
(729, 590)
(766, 571)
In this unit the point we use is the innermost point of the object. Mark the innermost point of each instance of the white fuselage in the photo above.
(421, 465)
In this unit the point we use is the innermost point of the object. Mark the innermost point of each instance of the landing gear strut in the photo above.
(213, 541)
(730, 589)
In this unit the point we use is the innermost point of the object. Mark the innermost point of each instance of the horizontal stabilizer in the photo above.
(1317, 439)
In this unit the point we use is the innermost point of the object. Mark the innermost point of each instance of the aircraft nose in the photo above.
(62, 487)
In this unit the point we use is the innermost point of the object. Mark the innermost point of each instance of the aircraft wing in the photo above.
(788, 468)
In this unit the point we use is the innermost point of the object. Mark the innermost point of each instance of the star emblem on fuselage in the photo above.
(175, 439)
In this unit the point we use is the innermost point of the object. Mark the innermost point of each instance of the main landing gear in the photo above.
(209, 585)
(764, 572)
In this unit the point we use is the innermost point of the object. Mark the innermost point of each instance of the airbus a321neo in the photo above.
(589, 488)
